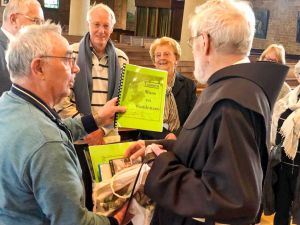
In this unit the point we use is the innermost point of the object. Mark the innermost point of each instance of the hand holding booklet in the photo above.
(142, 90)
(105, 160)
(112, 192)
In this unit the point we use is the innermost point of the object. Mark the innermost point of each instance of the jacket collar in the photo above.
(3, 39)
(178, 84)
(42, 106)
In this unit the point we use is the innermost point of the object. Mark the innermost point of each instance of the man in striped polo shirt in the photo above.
(99, 62)
(96, 83)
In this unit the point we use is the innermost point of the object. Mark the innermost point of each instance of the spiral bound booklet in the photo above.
(142, 91)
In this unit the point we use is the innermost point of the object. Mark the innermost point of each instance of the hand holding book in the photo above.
(138, 149)
(105, 116)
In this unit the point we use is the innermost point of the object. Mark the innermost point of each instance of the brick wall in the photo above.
(282, 27)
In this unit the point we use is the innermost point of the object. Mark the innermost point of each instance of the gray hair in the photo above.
(18, 6)
(104, 7)
(33, 41)
(229, 23)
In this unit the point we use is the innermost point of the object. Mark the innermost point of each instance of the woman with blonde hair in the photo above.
(276, 53)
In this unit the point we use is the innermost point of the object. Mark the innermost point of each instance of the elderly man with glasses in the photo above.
(17, 14)
(41, 178)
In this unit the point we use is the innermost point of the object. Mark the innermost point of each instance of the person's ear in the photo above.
(14, 23)
(13, 18)
(37, 68)
(206, 43)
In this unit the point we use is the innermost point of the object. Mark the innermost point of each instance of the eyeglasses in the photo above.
(70, 59)
(192, 39)
(35, 20)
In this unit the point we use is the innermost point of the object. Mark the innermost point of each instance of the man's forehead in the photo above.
(99, 14)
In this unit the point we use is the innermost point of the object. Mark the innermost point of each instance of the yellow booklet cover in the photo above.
(100, 156)
(142, 91)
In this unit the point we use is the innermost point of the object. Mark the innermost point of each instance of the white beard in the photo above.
(199, 74)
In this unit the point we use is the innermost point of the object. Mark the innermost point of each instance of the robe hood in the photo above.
(268, 76)
(254, 86)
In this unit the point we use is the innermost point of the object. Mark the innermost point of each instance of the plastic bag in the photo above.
(109, 195)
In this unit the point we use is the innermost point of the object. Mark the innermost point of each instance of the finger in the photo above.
(133, 148)
(130, 150)
(158, 149)
(161, 146)
(112, 102)
(137, 154)
(157, 145)
(119, 109)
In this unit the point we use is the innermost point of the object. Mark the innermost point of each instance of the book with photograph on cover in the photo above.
(142, 91)
(116, 165)
(100, 156)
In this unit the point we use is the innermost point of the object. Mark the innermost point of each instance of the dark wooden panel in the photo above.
(177, 4)
(176, 23)
(154, 3)
(60, 15)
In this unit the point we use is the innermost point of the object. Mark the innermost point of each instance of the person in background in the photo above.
(40, 179)
(165, 53)
(276, 53)
(212, 173)
(285, 133)
(17, 14)
(96, 83)
(99, 62)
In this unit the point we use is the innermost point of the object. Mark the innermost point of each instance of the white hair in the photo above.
(31, 42)
(229, 23)
(104, 7)
(18, 6)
